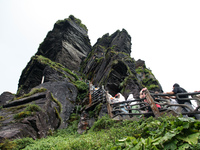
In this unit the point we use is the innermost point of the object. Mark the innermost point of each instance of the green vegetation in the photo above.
(33, 91)
(1, 117)
(95, 113)
(148, 79)
(32, 108)
(23, 114)
(19, 89)
(15, 109)
(98, 60)
(76, 20)
(82, 89)
(81, 86)
(139, 70)
(28, 111)
(57, 102)
(150, 133)
(56, 66)
(58, 115)
(152, 86)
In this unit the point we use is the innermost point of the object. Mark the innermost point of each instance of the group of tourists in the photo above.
(134, 107)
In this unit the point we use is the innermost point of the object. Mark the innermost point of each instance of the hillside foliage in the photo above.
(167, 133)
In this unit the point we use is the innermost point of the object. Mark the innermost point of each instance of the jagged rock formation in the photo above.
(33, 116)
(146, 77)
(62, 63)
(68, 39)
(110, 64)
(67, 44)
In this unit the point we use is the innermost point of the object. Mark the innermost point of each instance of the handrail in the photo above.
(126, 101)
(177, 95)
(165, 103)
(181, 94)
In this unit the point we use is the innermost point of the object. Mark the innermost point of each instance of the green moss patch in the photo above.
(28, 111)
(76, 20)
(56, 66)
(33, 91)
(82, 90)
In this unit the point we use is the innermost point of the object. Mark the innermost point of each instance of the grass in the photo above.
(147, 133)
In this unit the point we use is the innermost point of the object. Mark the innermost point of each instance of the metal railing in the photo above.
(167, 106)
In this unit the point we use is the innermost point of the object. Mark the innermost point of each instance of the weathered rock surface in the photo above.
(110, 64)
(67, 44)
(20, 118)
(40, 67)
(66, 94)
(63, 61)
(68, 39)
(5, 97)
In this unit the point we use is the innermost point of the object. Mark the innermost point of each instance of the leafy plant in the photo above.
(104, 123)
(165, 133)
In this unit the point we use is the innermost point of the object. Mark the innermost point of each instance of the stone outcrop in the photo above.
(5, 97)
(68, 39)
(40, 68)
(34, 116)
(146, 77)
(67, 44)
(64, 62)
(66, 93)
(110, 64)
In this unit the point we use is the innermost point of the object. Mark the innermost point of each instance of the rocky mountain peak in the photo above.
(54, 84)
(120, 41)
(68, 39)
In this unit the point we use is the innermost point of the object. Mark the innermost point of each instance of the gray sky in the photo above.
(165, 33)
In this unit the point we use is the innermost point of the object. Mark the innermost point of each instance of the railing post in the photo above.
(152, 104)
(90, 93)
(109, 108)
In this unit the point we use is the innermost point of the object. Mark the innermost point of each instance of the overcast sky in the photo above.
(165, 33)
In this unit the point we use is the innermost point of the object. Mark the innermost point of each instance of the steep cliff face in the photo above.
(68, 39)
(110, 64)
(62, 64)
(67, 44)
(146, 77)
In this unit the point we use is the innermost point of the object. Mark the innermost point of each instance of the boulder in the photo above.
(35, 116)
(66, 93)
(5, 97)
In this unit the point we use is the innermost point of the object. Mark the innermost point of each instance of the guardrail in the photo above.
(167, 107)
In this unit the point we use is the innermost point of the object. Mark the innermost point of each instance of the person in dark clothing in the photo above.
(178, 89)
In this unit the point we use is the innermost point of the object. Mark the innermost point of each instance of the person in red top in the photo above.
(143, 95)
